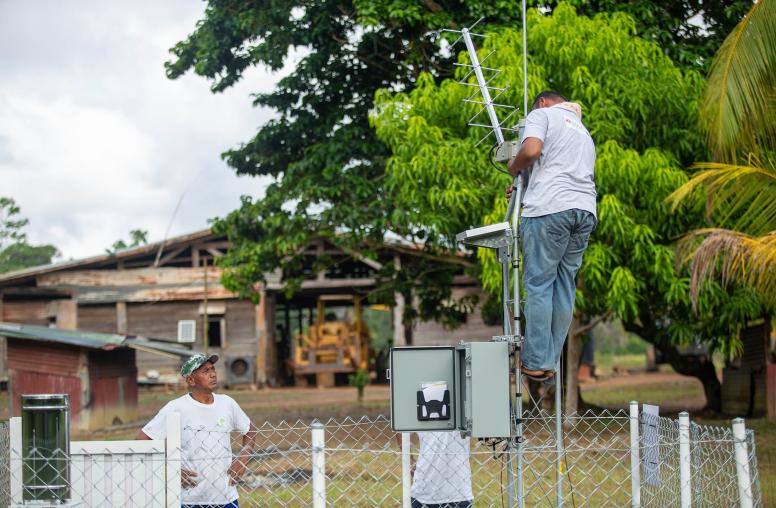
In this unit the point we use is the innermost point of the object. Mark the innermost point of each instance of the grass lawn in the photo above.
(605, 364)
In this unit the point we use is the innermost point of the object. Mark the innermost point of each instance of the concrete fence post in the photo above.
(319, 465)
(685, 461)
(406, 473)
(635, 460)
(742, 463)
(173, 458)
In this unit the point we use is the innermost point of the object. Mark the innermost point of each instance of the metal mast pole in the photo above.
(558, 436)
(516, 266)
(508, 328)
(205, 321)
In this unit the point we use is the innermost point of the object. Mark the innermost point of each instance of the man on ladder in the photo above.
(559, 213)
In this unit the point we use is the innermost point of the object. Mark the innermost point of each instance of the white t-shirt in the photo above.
(205, 444)
(562, 178)
(442, 472)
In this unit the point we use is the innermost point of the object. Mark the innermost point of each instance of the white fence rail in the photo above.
(107, 473)
(607, 459)
(121, 473)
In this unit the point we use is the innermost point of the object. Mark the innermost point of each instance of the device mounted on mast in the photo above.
(471, 388)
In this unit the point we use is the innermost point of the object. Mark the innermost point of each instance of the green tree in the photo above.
(642, 112)
(137, 237)
(688, 31)
(22, 255)
(11, 224)
(738, 114)
(15, 252)
(321, 151)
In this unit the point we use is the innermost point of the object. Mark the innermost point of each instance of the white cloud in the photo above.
(95, 140)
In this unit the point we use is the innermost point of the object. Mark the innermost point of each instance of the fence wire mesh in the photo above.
(363, 466)
(5, 469)
(714, 480)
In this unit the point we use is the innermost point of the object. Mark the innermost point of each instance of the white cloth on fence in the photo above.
(442, 472)
(205, 444)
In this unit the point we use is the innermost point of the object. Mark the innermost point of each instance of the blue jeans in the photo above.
(552, 254)
(457, 504)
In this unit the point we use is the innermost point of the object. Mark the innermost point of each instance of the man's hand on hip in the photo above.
(188, 478)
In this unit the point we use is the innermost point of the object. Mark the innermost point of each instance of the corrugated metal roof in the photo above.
(25, 273)
(91, 339)
(17, 276)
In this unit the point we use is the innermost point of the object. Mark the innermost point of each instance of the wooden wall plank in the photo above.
(132, 277)
(261, 339)
(157, 294)
(31, 312)
(98, 318)
(121, 317)
(434, 334)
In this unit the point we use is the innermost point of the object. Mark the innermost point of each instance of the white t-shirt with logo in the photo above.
(442, 472)
(562, 178)
(205, 444)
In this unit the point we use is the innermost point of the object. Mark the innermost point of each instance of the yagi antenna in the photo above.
(485, 93)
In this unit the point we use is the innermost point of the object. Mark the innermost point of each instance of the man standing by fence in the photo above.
(209, 471)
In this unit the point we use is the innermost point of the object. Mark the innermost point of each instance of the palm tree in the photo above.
(738, 117)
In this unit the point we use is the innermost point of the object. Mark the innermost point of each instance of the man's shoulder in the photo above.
(178, 402)
(223, 398)
(537, 114)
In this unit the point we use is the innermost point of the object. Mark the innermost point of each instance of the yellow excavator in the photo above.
(333, 344)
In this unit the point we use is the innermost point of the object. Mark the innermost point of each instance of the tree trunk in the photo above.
(700, 367)
(580, 326)
(543, 395)
(573, 355)
(408, 333)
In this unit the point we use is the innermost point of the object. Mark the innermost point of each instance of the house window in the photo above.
(214, 331)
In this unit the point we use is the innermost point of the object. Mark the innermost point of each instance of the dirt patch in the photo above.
(671, 391)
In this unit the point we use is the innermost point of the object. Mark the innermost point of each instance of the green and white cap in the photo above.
(196, 361)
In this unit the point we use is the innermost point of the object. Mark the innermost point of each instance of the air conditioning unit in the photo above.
(240, 370)
(187, 330)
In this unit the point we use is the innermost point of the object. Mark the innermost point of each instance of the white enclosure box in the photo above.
(464, 388)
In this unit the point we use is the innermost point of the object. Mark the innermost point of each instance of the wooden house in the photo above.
(96, 370)
(749, 380)
(171, 291)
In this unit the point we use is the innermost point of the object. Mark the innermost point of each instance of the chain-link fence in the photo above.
(5, 469)
(720, 468)
(361, 462)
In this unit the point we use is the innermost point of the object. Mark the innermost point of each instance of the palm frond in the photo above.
(738, 197)
(731, 257)
(739, 103)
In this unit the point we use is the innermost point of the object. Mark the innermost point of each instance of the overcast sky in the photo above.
(95, 140)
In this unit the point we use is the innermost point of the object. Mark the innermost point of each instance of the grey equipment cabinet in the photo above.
(411, 369)
(484, 370)
(464, 388)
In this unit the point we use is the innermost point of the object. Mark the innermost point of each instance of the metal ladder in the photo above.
(504, 238)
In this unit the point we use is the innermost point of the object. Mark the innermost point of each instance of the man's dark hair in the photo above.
(548, 94)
